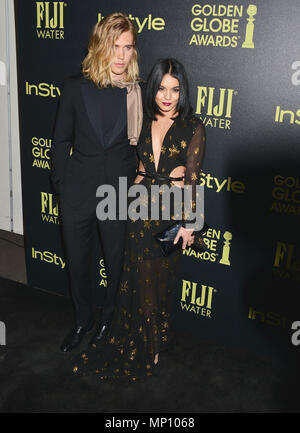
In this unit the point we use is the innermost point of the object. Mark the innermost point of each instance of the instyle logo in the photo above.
(287, 261)
(218, 248)
(214, 106)
(49, 208)
(144, 23)
(197, 298)
(227, 184)
(270, 318)
(287, 116)
(50, 20)
(223, 26)
(48, 257)
(286, 195)
(41, 148)
(45, 90)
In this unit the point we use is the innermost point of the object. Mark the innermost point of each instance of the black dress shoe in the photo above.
(99, 334)
(74, 338)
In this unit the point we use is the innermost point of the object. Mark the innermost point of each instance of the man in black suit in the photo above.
(99, 113)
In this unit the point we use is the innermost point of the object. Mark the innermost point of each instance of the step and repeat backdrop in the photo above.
(243, 64)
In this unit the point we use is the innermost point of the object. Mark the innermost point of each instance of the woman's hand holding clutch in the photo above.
(187, 237)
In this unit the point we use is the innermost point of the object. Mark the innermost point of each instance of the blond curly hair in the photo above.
(96, 65)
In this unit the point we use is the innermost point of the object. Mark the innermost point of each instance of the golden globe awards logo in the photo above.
(286, 195)
(286, 261)
(196, 298)
(214, 106)
(145, 23)
(50, 20)
(102, 273)
(218, 248)
(49, 208)
(222, 25)
(41, 148)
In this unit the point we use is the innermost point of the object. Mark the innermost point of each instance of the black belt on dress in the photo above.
(160, 177)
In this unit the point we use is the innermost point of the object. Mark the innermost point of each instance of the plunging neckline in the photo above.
(156, 169)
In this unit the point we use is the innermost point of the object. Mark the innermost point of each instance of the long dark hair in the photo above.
(175, 69)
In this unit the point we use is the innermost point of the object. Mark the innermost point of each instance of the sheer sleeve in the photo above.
(195, 155)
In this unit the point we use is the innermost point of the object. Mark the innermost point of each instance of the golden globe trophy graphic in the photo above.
(248, 43)
(226, 249)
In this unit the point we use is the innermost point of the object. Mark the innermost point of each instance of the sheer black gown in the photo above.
(141, 325)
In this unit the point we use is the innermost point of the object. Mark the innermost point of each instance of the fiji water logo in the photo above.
(50, 20)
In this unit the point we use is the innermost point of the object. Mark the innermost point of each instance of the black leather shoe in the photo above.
(76, 335)
(99, 334)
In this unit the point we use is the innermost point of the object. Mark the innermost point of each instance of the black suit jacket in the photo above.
(95, 159)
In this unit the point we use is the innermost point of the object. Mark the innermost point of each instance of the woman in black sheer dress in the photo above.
(170, 150)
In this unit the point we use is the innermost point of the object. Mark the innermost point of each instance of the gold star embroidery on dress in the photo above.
(148, 140)
(132, 354)
(163, 150)
(165, 264)
(183, 144)
(147, 224)
(151, 157)
(124, 286)
(173, 151)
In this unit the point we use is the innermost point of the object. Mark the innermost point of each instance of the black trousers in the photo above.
(79, 226)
